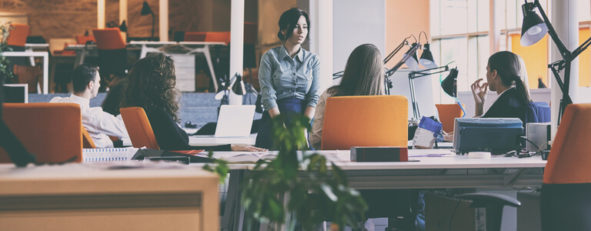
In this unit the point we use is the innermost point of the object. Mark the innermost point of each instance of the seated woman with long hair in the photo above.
(503, 75)
(364, 75)
(152, 86)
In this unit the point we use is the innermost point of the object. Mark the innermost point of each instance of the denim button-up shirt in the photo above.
(281, 76)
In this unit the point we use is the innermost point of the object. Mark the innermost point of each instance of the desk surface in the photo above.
(164, 43)
(98, 179)
(210, 140)
(420, 159)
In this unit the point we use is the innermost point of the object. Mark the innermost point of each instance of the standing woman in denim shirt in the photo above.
(288, 75)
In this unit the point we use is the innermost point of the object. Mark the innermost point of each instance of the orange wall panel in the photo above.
(584, 60)
(535, 58)
(403, 18)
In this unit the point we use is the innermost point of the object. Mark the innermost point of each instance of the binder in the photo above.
(97, 155)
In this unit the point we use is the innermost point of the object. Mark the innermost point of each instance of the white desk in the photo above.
(189, 47)
(43, 54)
(36, 46)
(210, 140)
(447, 171)
(91, 197)
(82, 51)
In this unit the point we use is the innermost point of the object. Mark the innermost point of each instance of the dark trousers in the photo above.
(289, 108)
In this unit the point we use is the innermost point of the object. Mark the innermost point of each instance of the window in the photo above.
(459, 30)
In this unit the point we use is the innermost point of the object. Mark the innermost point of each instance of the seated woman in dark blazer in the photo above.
(152, 86)
(503, 76)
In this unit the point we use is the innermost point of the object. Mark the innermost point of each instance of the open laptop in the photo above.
(235, 120)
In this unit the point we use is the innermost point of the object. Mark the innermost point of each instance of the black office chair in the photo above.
(493, 203)
(465, 211)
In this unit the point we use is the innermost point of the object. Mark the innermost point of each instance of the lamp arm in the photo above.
(396, 50)
(412, 49)
(581, 48)
(564, 52)
(426, 72)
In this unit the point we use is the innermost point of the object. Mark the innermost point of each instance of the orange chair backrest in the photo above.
(195, 36)
(109, 39)
(570, 156)
(139, 128)
(365, 121)
(18, 35)
(447, 115)
(223, 36)
(87, 141)
(51, 131)
(82, 39)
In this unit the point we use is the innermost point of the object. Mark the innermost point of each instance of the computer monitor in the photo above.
(16, 93)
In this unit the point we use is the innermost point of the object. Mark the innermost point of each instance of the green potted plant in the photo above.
(5, 67)
(299, 190)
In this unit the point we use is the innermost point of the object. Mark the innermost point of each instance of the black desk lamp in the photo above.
(532, 30)
(449, 84)
(427, 57)
(146, 10)
(413, 50)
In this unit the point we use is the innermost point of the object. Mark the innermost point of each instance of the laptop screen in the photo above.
(235, 120)
(16, 93)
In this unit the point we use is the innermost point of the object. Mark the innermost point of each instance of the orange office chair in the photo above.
(195, 36)
(83, 39)
(371, 121)
(18, 36)
(51, 131)
(223, 36)
(112, 54)
(565, 202)
(139, 128)
(87, 141)
(447, 115)
(365, 121)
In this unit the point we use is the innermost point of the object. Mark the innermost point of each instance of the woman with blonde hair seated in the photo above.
(363, 75)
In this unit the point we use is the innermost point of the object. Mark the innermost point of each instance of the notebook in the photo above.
(94, 155)
(234, 120)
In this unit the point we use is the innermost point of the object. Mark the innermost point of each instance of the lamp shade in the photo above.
(450, 83)
(412, 62)
(146, 10)
(427, 57)
(533, 29)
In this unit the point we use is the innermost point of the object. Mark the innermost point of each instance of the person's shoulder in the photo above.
(310, 54)
(273, 51)
(59, 99)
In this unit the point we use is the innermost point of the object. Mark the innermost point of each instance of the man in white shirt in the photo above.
(99, 124)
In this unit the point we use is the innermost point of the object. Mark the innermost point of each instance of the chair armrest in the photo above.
(483, 199)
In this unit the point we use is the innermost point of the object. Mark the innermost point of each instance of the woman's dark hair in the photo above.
(364, 73)
(83, 75)
(508, 67)
(289, 20)
(152, 85)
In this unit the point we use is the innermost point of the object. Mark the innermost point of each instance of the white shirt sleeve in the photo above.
(316, 133)
(103, 122)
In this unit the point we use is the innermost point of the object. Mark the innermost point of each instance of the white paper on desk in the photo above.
(90, 155)
(430, 152)
(244, 157)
